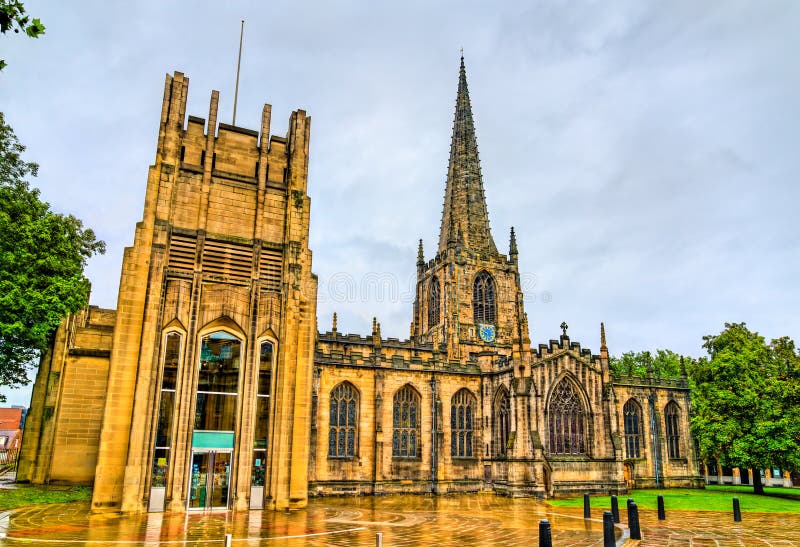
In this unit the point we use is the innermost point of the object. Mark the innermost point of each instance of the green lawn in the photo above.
(26, 494)
(712, 498)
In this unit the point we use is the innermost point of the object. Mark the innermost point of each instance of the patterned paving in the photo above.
(404, 521)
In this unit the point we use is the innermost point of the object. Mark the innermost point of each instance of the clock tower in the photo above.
(468, 297)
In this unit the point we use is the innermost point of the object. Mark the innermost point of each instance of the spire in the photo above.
(420, 256)
(464, 198)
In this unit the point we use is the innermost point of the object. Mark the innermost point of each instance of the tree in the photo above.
(745, 401)
(12, 17)
(664, 364)
(42, 256)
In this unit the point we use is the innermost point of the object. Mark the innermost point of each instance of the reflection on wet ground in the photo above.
(465, 520)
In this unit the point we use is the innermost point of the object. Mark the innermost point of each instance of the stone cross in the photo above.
(564, 327)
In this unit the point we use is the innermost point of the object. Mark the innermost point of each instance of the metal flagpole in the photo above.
(238, 66)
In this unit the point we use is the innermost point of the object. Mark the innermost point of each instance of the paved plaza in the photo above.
(462, 521)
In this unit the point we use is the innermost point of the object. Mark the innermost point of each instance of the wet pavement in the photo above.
(462, 521)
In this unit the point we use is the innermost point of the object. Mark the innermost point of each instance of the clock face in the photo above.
(487, 332)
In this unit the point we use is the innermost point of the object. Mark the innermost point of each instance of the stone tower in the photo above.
(195, 393)
(468, 297)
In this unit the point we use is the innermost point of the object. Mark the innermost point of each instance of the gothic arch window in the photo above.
(484, 306)
(634, 432)
(434, 302)
(343, 432)
(501, 417)
(462, 424)
(566, 420)
(672, 418)
(406, 424)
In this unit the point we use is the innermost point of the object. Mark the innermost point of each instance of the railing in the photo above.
(8, 458)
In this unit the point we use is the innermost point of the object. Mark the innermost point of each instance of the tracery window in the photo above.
(671, 418)
(634, 432)
(433, 302)
(502, 422)
(406, 424)
(566, 420)
(462, 415)
(483, 299)
(343, 432)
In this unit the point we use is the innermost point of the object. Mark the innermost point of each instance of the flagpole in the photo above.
(238, 66)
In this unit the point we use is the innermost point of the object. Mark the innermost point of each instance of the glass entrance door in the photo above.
(210, 479)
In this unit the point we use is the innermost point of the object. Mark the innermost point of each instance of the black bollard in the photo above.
(737, 513)
(661, 514)
(630, 500)
(608, 530)
(545, 539)
(615, 508)
(587, 510)
(633, 521)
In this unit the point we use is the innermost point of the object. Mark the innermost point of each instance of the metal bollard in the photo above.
(587, 510)
(630, 500)
(661, 514)
(633, 521)
(615, 508)
(545, 538)
(608, 530)
(737, 512)
(228, 540)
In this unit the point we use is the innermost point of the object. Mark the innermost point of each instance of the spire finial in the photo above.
(335, 321)
(420, 255)
(564, 328)
(462, 54)
(374, 326)
(602, 336)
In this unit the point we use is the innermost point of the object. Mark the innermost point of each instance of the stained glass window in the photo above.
(342, 436)
(634, 434)
(567, 420)
(502, 421)
(483, 299)
(406, 424)
(433, 303)
(462, 409)
(671, 417)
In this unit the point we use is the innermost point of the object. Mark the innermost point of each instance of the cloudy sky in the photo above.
(645, 152)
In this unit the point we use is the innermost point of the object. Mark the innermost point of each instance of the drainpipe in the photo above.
(433, 434)
(653, 428)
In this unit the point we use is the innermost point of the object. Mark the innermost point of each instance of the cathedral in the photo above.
(211, 387)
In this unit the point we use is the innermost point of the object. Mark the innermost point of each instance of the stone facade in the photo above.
(210, 386)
